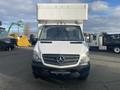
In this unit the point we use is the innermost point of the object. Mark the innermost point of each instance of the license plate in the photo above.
(60, 72)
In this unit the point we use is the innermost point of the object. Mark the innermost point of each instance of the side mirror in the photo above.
(33, 39)
(87, 39)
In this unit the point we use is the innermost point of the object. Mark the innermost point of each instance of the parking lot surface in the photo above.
(16, 73)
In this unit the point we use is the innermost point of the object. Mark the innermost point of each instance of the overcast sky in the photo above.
(104, 15)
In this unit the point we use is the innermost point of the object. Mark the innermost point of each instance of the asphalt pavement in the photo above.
(16, 73)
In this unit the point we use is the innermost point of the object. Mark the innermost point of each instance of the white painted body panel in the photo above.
(62, 12)
(61, 47)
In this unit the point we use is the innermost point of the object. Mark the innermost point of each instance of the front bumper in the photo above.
(38, 67)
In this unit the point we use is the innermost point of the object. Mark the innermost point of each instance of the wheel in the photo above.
(36, 76)
(84, 75)
(7, 49)
(116, 50)
(12, 47)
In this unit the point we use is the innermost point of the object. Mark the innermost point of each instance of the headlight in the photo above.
(36, 57)
(85, 58)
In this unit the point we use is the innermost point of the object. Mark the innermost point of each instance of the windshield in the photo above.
(61, 33)
(3, 33)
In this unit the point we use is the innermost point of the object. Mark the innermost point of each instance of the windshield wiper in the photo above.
(76, 42)
(45, 41)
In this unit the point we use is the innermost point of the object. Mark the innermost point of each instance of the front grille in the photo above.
(61, 59)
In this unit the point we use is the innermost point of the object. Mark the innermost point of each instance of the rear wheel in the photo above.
(116, 50)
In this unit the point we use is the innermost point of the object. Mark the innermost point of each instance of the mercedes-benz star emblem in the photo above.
(60, 60)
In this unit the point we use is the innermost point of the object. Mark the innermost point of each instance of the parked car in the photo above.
(6, 43)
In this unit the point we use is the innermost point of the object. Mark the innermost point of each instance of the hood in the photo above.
(61, 47)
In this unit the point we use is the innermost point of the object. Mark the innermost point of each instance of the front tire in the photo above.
(84, 73)
(116, 50)
(83, 76)
(36, 76)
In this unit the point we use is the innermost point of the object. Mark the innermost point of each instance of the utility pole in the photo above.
(0, 23)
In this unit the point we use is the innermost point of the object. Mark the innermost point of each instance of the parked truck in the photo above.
(104, 41)
(61, 47)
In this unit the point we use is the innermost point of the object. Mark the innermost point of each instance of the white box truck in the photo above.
(61, 48)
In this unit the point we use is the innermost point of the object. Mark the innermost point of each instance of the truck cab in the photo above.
(104, 41)
(61, 47)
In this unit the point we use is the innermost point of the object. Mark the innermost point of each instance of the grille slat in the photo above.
(69, 59)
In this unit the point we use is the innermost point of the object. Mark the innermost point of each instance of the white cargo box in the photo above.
(71, 12)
